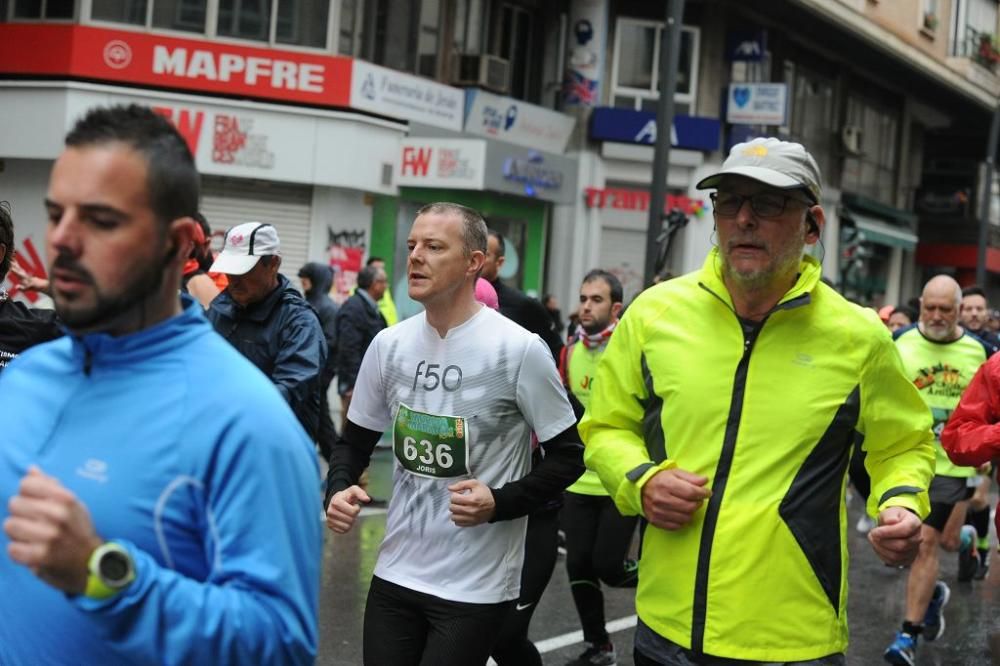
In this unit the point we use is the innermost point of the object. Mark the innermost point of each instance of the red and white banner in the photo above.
(121, 56)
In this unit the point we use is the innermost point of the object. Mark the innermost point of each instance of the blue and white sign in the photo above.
(629, 126)
(757, 103)
(400, 95)
(517, 122)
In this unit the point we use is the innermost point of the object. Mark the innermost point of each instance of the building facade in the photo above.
(336, 119)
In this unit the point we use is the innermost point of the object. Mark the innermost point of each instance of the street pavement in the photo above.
(877, 595)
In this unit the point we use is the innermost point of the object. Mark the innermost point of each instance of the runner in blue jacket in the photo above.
(158, 497)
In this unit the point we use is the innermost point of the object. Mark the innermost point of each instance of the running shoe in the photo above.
(968, 557)
(596, 655)
(902, 651)
(934, 617)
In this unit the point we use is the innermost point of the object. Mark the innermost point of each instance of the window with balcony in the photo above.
(975, 32)
(635, 73)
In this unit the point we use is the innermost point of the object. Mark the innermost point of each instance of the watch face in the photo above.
(114, 567)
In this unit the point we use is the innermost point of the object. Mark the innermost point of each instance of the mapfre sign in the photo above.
(167, 62)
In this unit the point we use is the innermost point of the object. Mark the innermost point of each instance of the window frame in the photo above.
(85, 13)
(639, 95)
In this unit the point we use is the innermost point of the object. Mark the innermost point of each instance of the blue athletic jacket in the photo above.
(180, 448)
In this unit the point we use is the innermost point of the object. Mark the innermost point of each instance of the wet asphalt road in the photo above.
(877, 595)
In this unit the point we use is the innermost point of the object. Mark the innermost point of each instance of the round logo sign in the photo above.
(117, 54)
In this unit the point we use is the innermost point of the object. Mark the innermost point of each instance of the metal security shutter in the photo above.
(226, 202)
(623, 253)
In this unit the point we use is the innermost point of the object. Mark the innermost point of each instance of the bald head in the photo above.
(939, 308)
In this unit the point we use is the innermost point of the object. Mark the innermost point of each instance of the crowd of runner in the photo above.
(160, 477)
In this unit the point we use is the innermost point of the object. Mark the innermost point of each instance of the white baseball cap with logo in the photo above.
(244, 246)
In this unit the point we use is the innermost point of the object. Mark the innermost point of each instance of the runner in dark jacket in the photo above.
(266, 318)
(316, 280)
(20, 326)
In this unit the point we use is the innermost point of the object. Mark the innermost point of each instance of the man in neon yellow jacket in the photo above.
(724, 412)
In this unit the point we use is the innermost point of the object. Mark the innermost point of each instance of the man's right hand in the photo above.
(344, 508)
(670, 498)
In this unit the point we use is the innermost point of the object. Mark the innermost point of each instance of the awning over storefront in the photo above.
(881, 232)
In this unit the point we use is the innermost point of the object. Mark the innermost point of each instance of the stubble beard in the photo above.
(786, 263)
(109, 309)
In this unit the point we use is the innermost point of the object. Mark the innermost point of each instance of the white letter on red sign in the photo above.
(257, 67)
(311, 78)
(165, 62)
(229, 64)
(202, 64)
(284, 75)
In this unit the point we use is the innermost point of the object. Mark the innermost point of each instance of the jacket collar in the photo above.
(810, 271)
(169, 335)
(259, 311)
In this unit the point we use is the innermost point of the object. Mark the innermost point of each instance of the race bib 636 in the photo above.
(429, 444)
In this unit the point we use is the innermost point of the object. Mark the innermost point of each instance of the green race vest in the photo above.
(581, 368)
(941, 371)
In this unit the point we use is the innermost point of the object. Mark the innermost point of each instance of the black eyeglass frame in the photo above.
(785, 198)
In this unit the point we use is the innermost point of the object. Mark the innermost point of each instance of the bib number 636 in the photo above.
(427, 453)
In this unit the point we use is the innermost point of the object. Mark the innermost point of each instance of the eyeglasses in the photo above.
(763, 204)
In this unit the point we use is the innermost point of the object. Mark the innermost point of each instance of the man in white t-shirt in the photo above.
(461, 388)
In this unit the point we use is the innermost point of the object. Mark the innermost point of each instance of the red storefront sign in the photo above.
(120, 56)
(638, 200)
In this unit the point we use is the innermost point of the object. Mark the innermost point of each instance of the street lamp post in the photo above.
(670, 50)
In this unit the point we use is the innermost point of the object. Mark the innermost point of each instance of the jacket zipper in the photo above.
(718, 490)
(722, 470)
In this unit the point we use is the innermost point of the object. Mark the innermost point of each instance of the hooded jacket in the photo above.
(318, 296)
(769, 413)
(282, 336)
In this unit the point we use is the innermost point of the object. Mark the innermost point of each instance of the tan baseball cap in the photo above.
(782, 164)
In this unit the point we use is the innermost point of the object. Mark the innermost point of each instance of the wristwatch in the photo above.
(110, 571)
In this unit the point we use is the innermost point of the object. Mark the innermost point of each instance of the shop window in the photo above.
(635, 73)
(872, 171)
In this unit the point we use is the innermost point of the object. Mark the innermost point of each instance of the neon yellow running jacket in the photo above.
(761, 571)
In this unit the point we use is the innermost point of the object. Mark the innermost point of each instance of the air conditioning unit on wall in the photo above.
(483, 70)
(850, 139)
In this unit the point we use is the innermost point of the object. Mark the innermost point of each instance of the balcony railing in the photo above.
(980, 47)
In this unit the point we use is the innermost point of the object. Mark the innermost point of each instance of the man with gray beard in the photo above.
(734, 446)
(940, 358)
